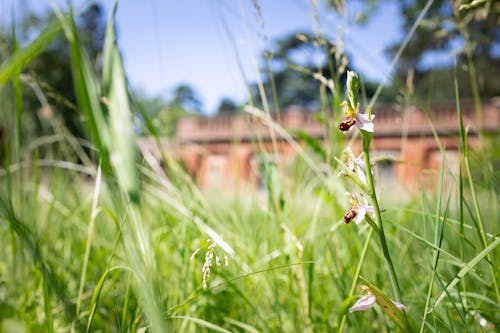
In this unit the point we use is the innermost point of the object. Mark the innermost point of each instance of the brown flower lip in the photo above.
(349, 215)
(346, 124)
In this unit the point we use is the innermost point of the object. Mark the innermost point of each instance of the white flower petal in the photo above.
(360, 163)
(364, 303)
(368, 209)
(361, 215)
(399, 305)
(364, 122)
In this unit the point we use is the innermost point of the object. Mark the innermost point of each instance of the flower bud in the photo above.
(352, 86)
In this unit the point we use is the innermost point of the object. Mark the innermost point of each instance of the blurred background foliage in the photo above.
(472, 33)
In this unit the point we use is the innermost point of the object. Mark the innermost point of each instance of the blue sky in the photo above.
(165, 43)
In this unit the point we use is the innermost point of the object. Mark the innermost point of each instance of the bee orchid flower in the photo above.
(354, 117)
(366, 302)
(352, 161)
(357, 212)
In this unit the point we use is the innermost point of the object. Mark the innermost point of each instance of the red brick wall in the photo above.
(219, 151)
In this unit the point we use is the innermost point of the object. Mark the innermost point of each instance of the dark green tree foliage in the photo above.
(472, 32)
(164, 113)
(51, 72)
(186, 98)
(296, 57)
(227, 106)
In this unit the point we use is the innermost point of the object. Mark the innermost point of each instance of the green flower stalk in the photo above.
(364, 121)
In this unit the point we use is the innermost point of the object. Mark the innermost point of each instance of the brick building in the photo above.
(225, 150)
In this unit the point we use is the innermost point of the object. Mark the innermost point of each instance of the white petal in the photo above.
(361, 215)
(399, 305)
(364, 303)
(368, 209)
(361, 163)
(364, 122)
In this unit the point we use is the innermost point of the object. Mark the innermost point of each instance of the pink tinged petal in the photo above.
(362, 210)
(361, 214)
(364, 122)
(364, 303)
(399, 305)
(359, 162)
(369, 209)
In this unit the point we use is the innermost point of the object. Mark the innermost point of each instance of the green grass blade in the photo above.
(124, 161)
(465, 151)
(97, 294)
(49, 322)
(90, 234)
(438, 234)
(342, 316)
(468, 267)
(18, 98)
(24, 55)
(87, 91)
(243, 326)
(202, 323)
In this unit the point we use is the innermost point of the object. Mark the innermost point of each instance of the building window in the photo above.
(215, 166)
(385, 165)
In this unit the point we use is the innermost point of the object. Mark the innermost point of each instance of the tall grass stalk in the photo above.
(18, 99)
(438, 237)
(90, 234)
(465, 158)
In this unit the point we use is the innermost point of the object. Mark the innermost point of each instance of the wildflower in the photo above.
(353, 161)
(354, 117)
(351, 107)
(210, 255)
(366, 302)
(357, 212)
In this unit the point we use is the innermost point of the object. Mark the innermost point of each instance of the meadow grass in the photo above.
(118, 244)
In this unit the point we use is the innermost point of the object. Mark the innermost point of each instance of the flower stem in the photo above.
(378, 217)
(356, 275)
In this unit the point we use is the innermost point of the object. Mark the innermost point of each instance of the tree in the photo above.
(165, 114)
(48, 90)
(292, 65)
(299, 65)
(186, 98)
(227, 106)
(471, 31)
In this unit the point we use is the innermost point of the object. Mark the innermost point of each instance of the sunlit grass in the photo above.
(119, 245)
